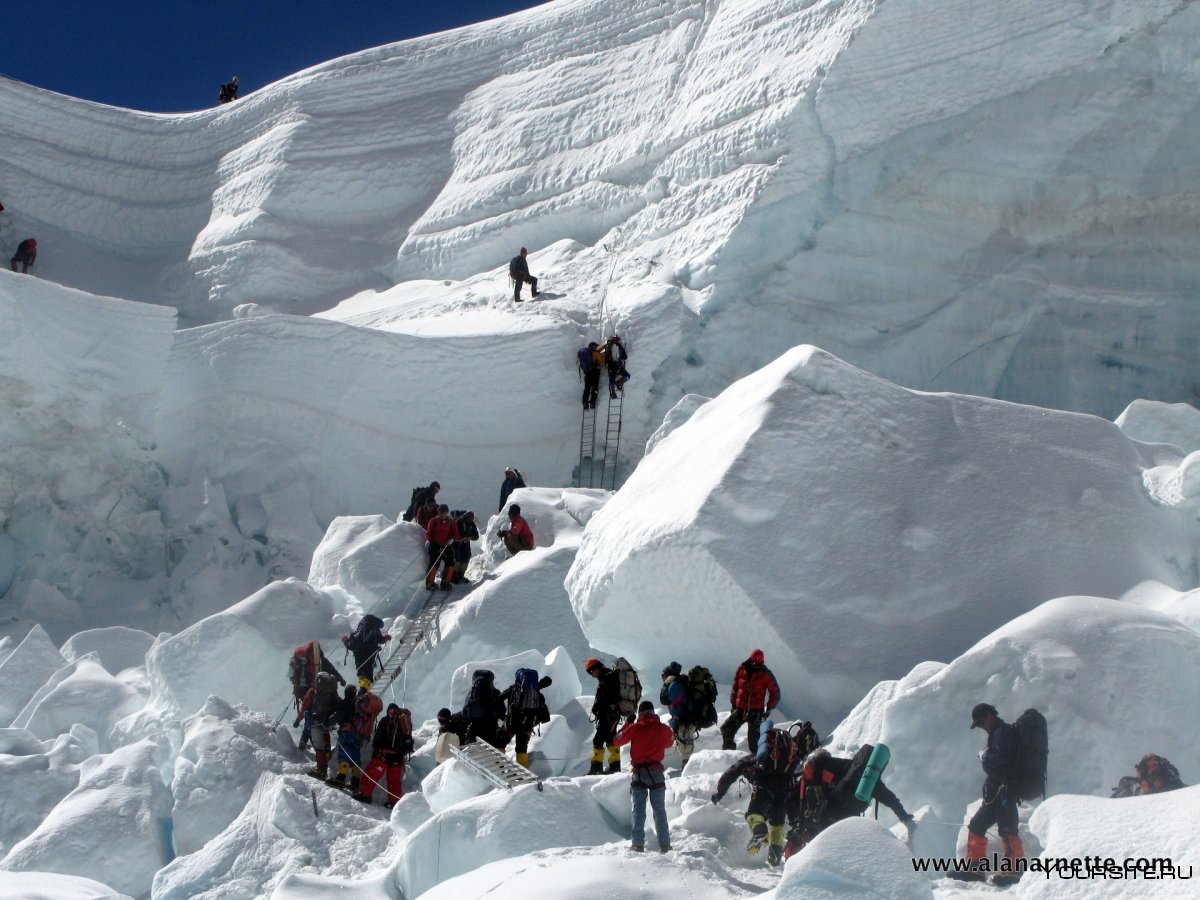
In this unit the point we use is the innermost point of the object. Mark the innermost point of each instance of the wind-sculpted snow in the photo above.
(834, 516)
(986, 202)
(855, 857)
(114, 827)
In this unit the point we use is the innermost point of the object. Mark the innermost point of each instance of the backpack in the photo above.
(806, 738)
(702, 697)
(843, 792)
(367, 636)
(325, 697)
(525, 699)
(629, 687)
(406, 739)
(480, 701)
(586, 363)
(781, 753)
(513, 267)
(1156, 774)
(367, 708)
(297, 672)
(410, 513)
(1033, 747)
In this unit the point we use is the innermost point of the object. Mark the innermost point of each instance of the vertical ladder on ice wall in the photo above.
(587, 450)
(612, 443)
(600, 463)
(418, 627)
(495, 766)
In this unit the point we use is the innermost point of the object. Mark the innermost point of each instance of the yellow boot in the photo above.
(523, 760)
(597, 761)
(614, 759)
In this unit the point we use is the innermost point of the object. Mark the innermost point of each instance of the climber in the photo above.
(441, 533)
(614, 360)
(513, 479)
(518, 536)
(753, 687)
(390, 750)
(467, 531)
(26, 255)
(421, 496)
(518, 271)
(525, 709)
(770, 775)
(648, 739)
(229, 91)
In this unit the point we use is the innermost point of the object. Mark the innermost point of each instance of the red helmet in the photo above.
(591, 663)
(757, 657)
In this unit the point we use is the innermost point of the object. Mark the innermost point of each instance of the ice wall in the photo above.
(983, 202)
(836, 517)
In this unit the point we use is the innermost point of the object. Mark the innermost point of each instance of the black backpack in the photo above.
(806, 737)
(843, 791)
(411, 512)
(525, 700)
(367, 636)
(702, 697)
(481, 703)
(325, 697)
(781, 753)
(1157, 774)
(1033, 749)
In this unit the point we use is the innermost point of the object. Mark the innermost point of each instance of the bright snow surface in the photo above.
(950, 197)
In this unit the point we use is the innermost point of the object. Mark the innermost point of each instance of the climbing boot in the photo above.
(523, 760)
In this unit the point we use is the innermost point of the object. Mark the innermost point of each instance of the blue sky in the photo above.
(173, 55)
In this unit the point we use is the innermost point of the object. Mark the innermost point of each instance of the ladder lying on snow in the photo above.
(412, 636)
(495, 766)
(604, 463)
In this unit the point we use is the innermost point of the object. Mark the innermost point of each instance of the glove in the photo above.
(715, 798)
(981, 754)
(630, 719)
(296, 724)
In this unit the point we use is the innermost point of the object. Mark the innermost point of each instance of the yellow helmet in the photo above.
(364, 682)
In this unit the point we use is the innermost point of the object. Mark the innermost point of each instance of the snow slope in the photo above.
(837, 517)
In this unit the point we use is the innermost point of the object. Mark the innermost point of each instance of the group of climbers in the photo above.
(449, 533)
(596, 358)
(344, 728)
(798, 789)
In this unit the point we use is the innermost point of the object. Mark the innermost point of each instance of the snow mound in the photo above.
(49, 886)
(371, 558)
(82, 693)
(854, 858)
(593, 872)
(115, 827)
(35, 776)
(242, 654)
(834, 516)
(116, 648)
(223, 754)
(278, 833)
(1154, 827)
(500, 825)
(27, 668)
(1058, 658)
(1184, 606)
(1152, 422)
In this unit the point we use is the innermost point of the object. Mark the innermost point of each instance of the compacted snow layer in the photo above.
(837, 518)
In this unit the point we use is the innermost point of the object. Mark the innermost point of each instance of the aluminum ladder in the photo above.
(495, 766)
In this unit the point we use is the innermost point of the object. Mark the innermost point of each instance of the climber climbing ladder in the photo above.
(495, 766)
(414, 633)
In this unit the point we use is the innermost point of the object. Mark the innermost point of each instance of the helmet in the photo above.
(757, 657)
(673, 668)
(523, 251)
(616, 339)
(591, 663)
(365, 683)
(234, 79)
